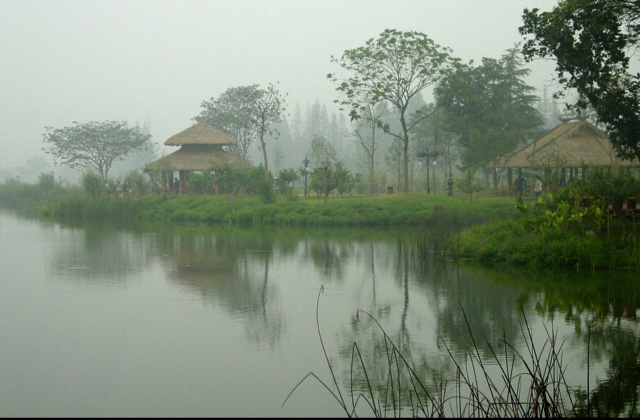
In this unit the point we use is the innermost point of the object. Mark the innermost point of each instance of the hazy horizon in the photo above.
(156, 61)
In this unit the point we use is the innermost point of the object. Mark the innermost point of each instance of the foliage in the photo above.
(394, 68)
(540, 389)
(592, 42)
(256, 183)
(489, 107)
(231, 113)
(246, 113)
(413, 209)
(139, 182)
(468, 183)
(285, 181)
(228, 179)
(510, 242)
(394, 158)
(330, 176)
(29, 198)
(550, 213)
(433, 135)
(609, 186)
(322, 151)
(203, 182)
(268, 107)
(557, 230)
(95, 145)
(365, 131)
(92, 183)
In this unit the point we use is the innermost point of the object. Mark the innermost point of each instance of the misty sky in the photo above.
(156, 61)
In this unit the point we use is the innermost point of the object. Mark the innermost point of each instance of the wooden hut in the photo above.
(569, 148)
(201, 149)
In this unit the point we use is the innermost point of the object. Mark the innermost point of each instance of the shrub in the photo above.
(92, 183)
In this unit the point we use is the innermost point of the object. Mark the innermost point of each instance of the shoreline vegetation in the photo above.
(492, 230)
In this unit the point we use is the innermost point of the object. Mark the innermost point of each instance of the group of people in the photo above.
(520, 185)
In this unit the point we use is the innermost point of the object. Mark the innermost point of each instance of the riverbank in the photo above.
(489, 229)
(411, 209)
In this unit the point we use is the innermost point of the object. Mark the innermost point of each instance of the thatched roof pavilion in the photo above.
(201, 149)
(573, 145)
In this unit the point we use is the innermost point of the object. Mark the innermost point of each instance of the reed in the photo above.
(527, 384)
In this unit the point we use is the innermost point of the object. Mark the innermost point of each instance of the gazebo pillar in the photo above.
(164, 176)
(182, 181)
(510, 188)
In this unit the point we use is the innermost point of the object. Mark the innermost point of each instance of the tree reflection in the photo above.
(477, 309)
(328, 256)
(604, 313)
(101, 256)
(617, 395)
(230, 270)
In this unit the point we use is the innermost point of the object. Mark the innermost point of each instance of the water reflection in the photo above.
(478, 309)
(100, 256)
(228, 270)
(257, 278)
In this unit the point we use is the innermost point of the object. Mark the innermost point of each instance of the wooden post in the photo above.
(182, 181)
(164, 175)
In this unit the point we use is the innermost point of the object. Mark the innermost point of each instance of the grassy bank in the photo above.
(510, 243)
(490, 230)
(414, 209)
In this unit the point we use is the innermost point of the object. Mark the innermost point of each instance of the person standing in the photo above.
(537, 187)
(450, 185)
(520, 185)
(176, 184)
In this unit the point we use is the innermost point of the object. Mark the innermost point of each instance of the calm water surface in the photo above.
(100, 321)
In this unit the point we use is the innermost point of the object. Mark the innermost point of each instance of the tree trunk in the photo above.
(264, 154)
(371, 164)
(405, 139)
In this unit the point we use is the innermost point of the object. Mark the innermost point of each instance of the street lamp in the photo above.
(426, 155)
(306, 163)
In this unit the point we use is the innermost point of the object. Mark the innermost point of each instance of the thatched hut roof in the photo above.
(572, 144)
(190, 160)
(200, 133)
(201, 150)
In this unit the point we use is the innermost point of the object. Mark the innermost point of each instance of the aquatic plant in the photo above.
(529, 384)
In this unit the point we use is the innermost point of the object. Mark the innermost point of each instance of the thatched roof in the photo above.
(572, 144)
(188, 160)
(200, 133)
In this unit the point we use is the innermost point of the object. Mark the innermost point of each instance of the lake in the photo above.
(99, 320)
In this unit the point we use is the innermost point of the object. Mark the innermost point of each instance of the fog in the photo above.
(154, 62)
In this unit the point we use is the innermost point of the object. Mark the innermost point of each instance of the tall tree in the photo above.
(268, 108)
(231, 113)
(322, 150)
(489, 107)
(365, 130)
(95, 145)
(297, 133)
(549, 110)
(317, 122)
(431, 135)
(593, 42)
(395, 67)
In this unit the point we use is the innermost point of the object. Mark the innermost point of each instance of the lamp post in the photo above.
(426, 155)
(306, 162)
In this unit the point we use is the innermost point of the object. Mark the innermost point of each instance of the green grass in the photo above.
(509, 243)
(487, 230)
(414, 209)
